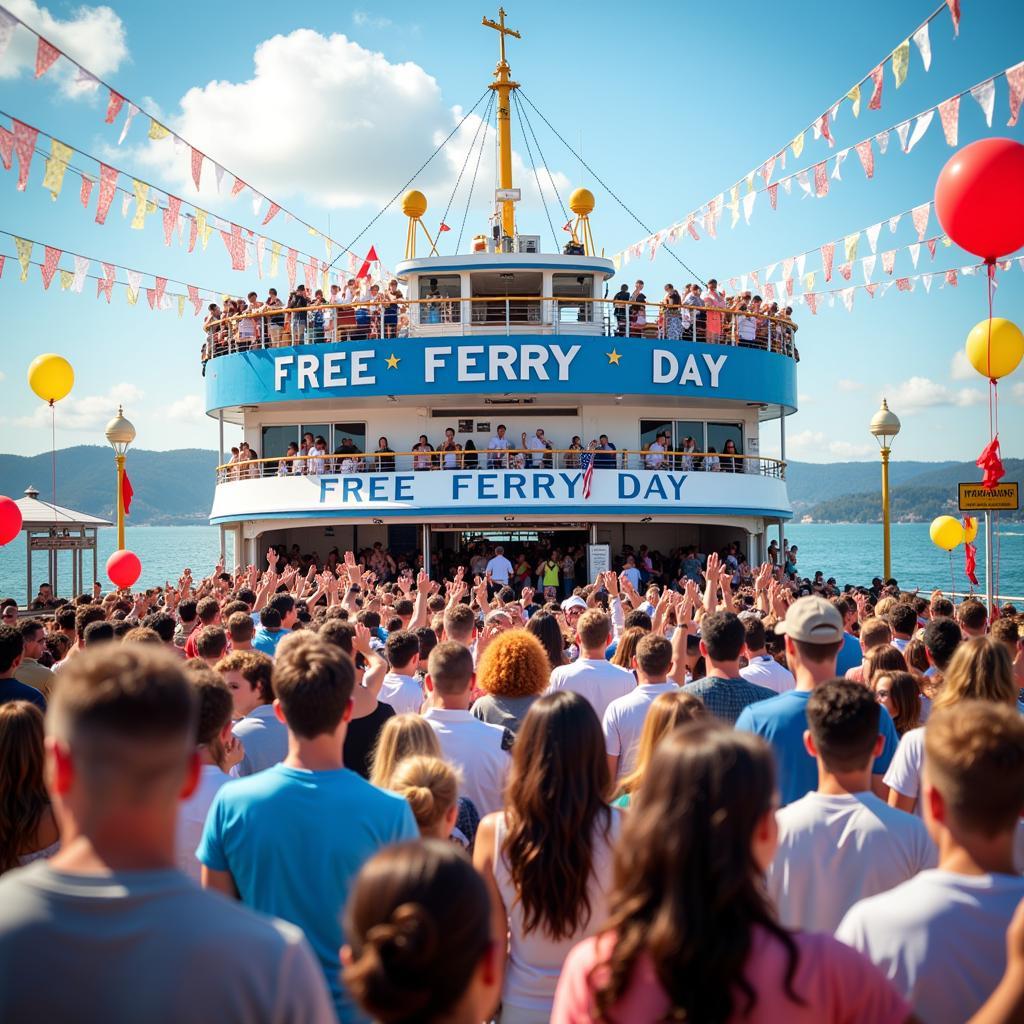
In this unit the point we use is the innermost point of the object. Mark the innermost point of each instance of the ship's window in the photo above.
(355, 432)
(444, 286)
(317, 430)
(719, 433)
(650, 429)
(689, 428)
(277, 439)
(565, 288)
(502, 298)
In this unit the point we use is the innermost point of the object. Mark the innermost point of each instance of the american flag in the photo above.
(587, 464)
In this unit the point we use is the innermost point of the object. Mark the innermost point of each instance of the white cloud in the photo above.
(815, 446)
(919, 393)
(960, 366)
(362, 19)
(187, 409)
(88, 413)
(1017, 391)
(339, 125)
(845, 384)
(93, 35)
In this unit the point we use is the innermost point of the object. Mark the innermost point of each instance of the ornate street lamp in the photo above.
(120, 433)
(885, 425)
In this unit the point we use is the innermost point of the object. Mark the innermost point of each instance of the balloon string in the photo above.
(53, 457)
(952, 574)
(988, 356)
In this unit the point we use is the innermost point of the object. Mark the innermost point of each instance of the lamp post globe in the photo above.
(120, 433)
(884, 427)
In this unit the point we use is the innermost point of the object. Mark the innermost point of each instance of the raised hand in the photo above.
(361, 640)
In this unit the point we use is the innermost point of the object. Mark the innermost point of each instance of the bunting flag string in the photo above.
(74, 281)
(822, 126)
(148, 198)
(947, 278)
(47, 54)
(909, 131)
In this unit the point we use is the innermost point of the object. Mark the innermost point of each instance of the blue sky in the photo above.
(670, 108)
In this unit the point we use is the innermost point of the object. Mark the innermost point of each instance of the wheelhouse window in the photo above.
(443, 293)
(506, 297)
(353, 433)
(566, 288)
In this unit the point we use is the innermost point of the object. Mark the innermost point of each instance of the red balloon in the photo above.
(979, 198)
(10, 520)
(123, 568)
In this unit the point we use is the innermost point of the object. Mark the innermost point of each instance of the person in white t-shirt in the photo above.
(401, 687)
(479, 749)
(655, 457)
(497, 446)
(538, 444)
(761, 668)
(940, 937)
(591, 675)
(219, 751)
(499, 567)
(624, 718)
(841, 843)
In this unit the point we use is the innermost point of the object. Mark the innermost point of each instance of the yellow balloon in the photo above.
(971, 529)
(946, 532)
(51, 377)
(1007, 348)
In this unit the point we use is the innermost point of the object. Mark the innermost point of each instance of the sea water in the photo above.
(850, 552)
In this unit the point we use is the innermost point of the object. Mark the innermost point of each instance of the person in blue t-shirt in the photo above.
(850, 654)
(289, 840)
(276, 621)
(813, 630)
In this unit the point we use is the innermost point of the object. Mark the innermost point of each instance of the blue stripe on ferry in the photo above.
(577, 512)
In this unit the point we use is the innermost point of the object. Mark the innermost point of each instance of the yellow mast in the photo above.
(504, 85)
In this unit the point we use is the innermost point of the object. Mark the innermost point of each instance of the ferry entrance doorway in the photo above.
(538, 543)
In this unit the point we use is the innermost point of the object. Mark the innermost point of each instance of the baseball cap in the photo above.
(812, 620)
(574, 602)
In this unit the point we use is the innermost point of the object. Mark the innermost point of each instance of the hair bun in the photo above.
(408, 939)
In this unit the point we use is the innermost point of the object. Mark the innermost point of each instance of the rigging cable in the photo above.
(540, 153)
(380, 213)
(671, 253)
(465, 163)
(536, 176)
(476, 169)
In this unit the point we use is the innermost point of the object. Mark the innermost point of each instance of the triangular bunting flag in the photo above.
(903, 131)
(134, 281)
(748, 205)
(949, 116)
(889, 260)
(921, 125)
(56, 166)
(809, 281)
(141, 204)
(850, 245)
(23, 247)
(261, 244)
(926, 280)
(49, 267)
(290, 262)
(904, 284)
(235, 245)
(81, 269)
(894, 223)
(812, 302)
(871, 289)
(6, 147)
(157, 130)
(954, 13)
(900, 62)
(271, 213)
(275, 255)
(854, 97)
(824, 129)
(171, 211)
(46, 56)
(66, 280)
(868, 266)
(773, 195)
(867, 157)
(847, 296)
(105, 286)
(931, 247)
(840, 157)
(924, 45)
(1015, 80)
(161, 287)
(108, 186)
(820, 180)
(132, 111)
(951, 278)
(24, 148)
(915, 253)
(801, 263)
(985, 94)
(871, 234)
(114, 104)
(827, 254)
(237, 187)
(845, 271)
(194, 298)
(85, 191)
(197, 167)
(797, 145)
(919, 215)
(875, 103)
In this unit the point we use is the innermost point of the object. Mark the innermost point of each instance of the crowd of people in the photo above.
(352, 790)
(361, 309)
(312, 457)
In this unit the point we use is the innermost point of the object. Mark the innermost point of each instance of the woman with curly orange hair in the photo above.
(513, 672)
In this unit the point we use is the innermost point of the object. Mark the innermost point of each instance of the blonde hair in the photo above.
(431, 787)
(667, 711)
(402, 736)
(981, 669)
(626, 647)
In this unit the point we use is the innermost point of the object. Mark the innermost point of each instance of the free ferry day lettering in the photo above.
(480, 364)
(500, 486)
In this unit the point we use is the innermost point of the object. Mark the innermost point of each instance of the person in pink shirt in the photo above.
(714, 300)
(691, 932)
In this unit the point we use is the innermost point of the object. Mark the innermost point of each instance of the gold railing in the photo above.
(339, 462)
(265, 327)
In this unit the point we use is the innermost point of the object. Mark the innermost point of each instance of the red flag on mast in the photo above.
(371, 257)
(126, 493)
(444, 227)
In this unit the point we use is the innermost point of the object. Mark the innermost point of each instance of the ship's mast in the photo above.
(504, 85)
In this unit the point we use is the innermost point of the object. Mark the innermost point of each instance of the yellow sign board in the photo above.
(1001, 498)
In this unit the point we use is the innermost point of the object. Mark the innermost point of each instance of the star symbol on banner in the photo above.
(613, 356)
(393, 361)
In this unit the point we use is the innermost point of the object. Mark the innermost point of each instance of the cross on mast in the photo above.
(504, 85)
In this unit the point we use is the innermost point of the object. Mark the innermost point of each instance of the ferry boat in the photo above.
(556, 411)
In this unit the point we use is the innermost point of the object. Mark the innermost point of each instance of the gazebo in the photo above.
(53, 529)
